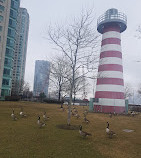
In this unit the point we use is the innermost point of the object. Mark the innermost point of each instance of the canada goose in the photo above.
(82, 133)
(45, 116)
(114, 113)
(85, 112)
(110, 115)
(77, 115)
(41, 124)
(109, 132)
(72, 113)
(13, 115)
(22, 113)
(86, 120)
(75, 111)
(63, 109)
(133, 113)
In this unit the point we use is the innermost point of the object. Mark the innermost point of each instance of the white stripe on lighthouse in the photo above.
(110, 60)
(110, 88)
(111, 34)
(110, 74)
(111, 47)
(111, 102)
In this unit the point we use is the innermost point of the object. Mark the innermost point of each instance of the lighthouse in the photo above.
(110, 83)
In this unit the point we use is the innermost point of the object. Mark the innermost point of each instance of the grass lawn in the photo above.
(24, 139)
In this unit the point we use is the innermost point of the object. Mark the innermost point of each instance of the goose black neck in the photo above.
(107, 124)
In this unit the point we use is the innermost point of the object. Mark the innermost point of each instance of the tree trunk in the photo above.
(74, 99)
(69, 107)
(59, 95)
(71, 92)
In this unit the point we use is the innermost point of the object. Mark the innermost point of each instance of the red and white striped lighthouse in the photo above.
(110, 83)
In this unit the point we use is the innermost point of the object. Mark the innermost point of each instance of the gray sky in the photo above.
(44, 12)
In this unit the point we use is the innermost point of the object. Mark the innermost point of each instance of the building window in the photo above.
(14, 4)
(5, 92)
(10, 42)
(0, 28)
(11, 32)
(5, 82)
(8, 62)
(1, 8)
(6, 72)
(1, 18)
(2, 1)
(9, 52)
(13, 14)
(12, 23)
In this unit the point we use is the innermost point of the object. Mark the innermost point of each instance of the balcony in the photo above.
(112, 16)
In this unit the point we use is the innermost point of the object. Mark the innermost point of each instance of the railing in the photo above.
(112, 17)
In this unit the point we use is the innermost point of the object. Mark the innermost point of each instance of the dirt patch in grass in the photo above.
(67, 127)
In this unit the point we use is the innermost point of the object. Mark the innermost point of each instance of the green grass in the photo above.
(24, 139)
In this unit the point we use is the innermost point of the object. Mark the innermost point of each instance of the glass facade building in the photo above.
(20, 52)
(4, 22)
(41, 77)
(10, 48)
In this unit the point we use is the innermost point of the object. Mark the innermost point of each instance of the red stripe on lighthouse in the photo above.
(113, 81)
(108, 109)
(110, 54)
(110, 67)
(112, 28)
(111, 41)
(109, 95)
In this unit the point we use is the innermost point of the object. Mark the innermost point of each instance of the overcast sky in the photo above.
(44, 12)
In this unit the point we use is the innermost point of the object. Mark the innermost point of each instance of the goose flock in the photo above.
(74, 112)
(40, 123)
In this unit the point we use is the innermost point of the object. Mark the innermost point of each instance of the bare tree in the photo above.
(77, 41)
(139, 90)
(138, 32)
(80, 87)
(26, 90)
(58, 70)
(128, 91)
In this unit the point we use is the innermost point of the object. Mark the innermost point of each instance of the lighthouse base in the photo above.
(109, 109)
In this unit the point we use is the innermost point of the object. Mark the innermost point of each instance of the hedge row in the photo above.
(12, 98)
(51, 101)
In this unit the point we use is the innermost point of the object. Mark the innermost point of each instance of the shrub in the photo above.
(52, 101)
(12, 98)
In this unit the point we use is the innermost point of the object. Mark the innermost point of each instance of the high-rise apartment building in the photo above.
(20, 52)
(10, 47)
(41, 77)
(14, 25)
(4, 21)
